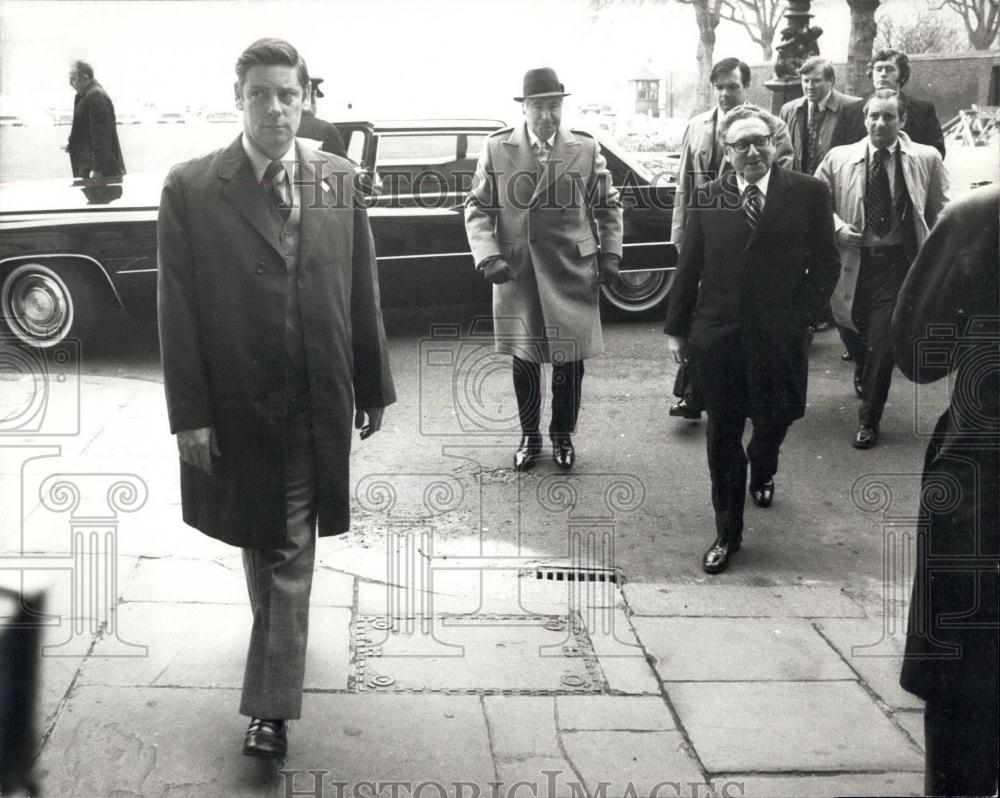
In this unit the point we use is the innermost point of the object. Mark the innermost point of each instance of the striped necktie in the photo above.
(751, 206)
(276, 186)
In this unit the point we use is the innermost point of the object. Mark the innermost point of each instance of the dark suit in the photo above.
(312, 127)
(922, 125)
(836, 126)
(744, 302)
(952, 643)
(93, 138)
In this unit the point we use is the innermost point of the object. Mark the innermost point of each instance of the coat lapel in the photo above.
(518, 150)
(774, 205)
(243, 190)
(565, 151)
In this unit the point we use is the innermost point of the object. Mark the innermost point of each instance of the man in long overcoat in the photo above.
(758, 262)
(947, 321)
(545, 226)
(272, 342)
(94, 151)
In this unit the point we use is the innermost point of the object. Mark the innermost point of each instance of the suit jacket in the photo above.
(548, 225)
(954, 286)
(745, 301)
(699, 148)
(93, 138)
(222, 292)
(844, 172)
(835, 128)
(922, 125)
(312, 127)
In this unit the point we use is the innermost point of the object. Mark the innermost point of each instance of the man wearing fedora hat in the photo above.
(312, 127)
(545, 227)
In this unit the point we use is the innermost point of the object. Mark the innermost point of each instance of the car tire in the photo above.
(42, 305)
(640, 295)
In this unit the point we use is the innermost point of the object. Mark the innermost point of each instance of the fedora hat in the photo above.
(542, 83)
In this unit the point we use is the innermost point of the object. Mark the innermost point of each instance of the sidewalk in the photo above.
(470, 676)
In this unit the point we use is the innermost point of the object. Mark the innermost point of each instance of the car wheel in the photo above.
(44, 305)
(638, 295)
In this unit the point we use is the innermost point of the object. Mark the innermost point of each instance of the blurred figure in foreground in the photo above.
(94, 151)
(947, 321)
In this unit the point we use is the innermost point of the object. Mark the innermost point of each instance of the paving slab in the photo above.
(634, 763)
(630, 675)
(740, 601)
(738, 649)
(613, 713)
(839, 786)
(790, 726)
(876, 654)
(913, 722)
(191, 645)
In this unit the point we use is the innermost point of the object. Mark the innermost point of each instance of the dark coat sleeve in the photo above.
(823, 257)
(185, 377)
(683, 294)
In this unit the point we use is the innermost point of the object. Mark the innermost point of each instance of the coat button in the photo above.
(261, 268)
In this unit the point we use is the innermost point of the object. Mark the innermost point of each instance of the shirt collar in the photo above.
(551, 140)
(761, 184)
(822, 104)
(889, 150)
(260, 162)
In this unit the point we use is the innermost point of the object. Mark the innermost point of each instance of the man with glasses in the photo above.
(702, 160)
(759, 261)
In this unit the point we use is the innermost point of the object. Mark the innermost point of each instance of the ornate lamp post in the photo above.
(798, 42)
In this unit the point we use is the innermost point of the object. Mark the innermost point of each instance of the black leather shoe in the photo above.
(866, 437)
(266, 738)
(684, 409)
(716, 559)
(563, 453)
(527, 452)
(763, 494)
(846, 356)
(859, 372)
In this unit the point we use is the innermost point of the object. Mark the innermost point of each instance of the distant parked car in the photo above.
(69, 253)
(62, 117)
(9, 120)
(222, 117)
(127, 118)
(171, 118)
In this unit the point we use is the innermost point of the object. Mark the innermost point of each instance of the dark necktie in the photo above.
(879, 196)
(274, 182)
(751, 206)
(813, 126)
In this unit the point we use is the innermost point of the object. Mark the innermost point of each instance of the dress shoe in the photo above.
(859, 372)
(685, 409)
(846, 356)
(527, 452)
(866, 437)
(266, 738)
(762, 494)
(563, 453)
(716, 559)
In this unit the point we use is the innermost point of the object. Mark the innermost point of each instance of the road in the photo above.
(454, 425)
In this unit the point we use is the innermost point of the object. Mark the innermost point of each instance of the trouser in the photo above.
(962, 745)
(567, 382)
(279, 582)
(686, 385)
(879, 281)
(727, 464)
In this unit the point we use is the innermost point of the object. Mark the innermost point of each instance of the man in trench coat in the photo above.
(758, 263)
(272, 341)
(545, 227)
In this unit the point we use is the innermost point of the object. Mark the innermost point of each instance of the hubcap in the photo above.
(36, 305)
(638, 291)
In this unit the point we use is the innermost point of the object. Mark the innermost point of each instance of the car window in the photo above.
(432, 164)
(355, 145)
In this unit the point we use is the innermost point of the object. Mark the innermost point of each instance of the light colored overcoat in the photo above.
(844, 171)
(549, 225)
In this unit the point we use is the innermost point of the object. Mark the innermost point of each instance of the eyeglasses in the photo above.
(743, 145)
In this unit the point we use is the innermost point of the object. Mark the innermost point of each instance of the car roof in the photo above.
(421, 125)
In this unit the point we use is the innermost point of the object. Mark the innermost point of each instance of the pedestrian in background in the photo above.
(545, 227)
(312, 127)
(887, 192)
(94, 151)
(272, 342)
(758, 262)
(947, 321)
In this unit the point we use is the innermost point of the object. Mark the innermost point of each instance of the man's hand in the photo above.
(608, 271)
(849, 236)
(197, 447)
(374, 420)
(677, 347)
(497, 271)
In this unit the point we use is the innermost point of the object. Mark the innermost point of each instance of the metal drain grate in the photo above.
(554, 574)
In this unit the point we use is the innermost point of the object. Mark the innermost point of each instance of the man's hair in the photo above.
(83, 69)
(727, 65)
(818, 61)
(741, 112)
(902, 63)
(885, 94)
(272, 52)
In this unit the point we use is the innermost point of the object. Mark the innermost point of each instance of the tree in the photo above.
(923, 33)
(981, 18)
(759, 17)
(859, 46)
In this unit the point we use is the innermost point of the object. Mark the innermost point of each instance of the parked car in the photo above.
(223, 117)
(69, 253)
(171, 118)
(10, 120)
